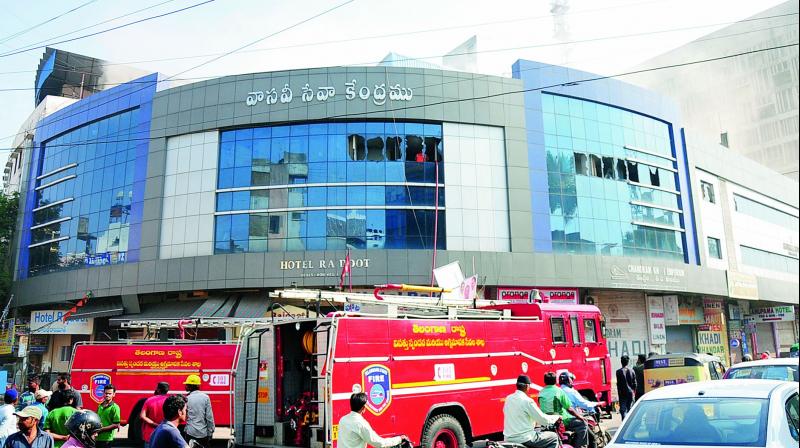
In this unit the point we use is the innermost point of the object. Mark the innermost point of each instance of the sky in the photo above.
(601, 36)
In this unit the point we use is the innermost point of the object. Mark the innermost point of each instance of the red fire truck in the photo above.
(135, 369)
(438, 374)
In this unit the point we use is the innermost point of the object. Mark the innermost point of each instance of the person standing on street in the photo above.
(29, 435)
(8, 422)
(166, 435)
(626, 386)
(42, 396)
(356, 432)
(521, 415)
(29, 396)
(153, 412)
(58, 400)
(110, 416)
(82, 426)
(638, 369)
(199, 415)
(56, 423)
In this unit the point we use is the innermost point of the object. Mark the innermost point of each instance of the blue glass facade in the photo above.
(612, 181)
(607, 167)
(362, 185)
(86, 186)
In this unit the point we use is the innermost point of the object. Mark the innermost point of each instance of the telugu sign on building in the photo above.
(378, 94)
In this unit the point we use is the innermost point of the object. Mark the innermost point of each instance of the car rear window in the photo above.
(782, 373)
(697, 421)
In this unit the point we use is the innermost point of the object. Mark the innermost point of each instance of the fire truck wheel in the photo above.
(443, 431)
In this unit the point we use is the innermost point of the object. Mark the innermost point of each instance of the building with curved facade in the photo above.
(196, 201)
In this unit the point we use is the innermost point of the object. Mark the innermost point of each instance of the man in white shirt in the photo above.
(8, 421)
(355, 431)
(521, 415)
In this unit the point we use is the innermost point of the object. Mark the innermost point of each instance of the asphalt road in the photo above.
(611, 425)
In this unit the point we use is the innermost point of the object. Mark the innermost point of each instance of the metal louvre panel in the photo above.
(99, 308)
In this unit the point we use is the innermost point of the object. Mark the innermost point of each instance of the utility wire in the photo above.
(369, 63)
(487, 96)
(148, 84)
(157, 16)
(21, 32)
(330, 42)
(94, 25)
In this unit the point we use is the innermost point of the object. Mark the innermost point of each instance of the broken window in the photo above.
(622, 170)
(654, 179)
(394, 148)
(581, 164)
(432, 150)
(414, 149)
(596, 166)
(375, 149)
(633, 172)
(608, 167)
(356, 149)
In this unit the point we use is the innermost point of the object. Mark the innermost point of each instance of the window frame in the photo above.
(707, 192)
(793, 423)
(563, 330)
(575, 330)
(718, 254)
(594, 330)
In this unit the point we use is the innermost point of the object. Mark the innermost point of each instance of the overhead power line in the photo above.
(487, 96)
(496, 50)
(296, 24)
(50, 39)
(124, 25)
(31, 28)
(430, 30)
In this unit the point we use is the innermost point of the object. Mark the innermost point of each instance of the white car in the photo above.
(730, 413)
(784, 369)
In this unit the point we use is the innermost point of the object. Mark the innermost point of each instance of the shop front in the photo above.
(527, 294)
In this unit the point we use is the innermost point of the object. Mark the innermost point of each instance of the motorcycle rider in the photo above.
(554, 401)
(355, 431)
(521, 415)
(83, 426)
(565, 380)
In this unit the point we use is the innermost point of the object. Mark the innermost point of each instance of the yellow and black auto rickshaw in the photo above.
(678, 368)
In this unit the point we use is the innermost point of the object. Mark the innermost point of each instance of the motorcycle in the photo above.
(557, 428)
(598, 437)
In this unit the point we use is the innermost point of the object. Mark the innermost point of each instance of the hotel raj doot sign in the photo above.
(323, 267)
(378, 93)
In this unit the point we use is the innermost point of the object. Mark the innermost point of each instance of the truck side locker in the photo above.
(252, 355)
(324, 334)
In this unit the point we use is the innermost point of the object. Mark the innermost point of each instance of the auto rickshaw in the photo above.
(678, 368)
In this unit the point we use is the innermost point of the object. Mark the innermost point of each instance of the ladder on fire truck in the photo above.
(393, 306)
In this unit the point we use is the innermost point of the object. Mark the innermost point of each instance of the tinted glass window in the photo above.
(308, 167)
(792, 417)
(611, 176)
(782, 373)
(85, 199)
(697, 422)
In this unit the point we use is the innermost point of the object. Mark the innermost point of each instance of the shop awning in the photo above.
(99, 308)
(170, 310)
(234, 306)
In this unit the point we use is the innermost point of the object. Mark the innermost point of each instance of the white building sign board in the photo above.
(50, 322)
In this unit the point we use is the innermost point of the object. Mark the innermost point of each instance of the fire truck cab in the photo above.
(436, 372)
